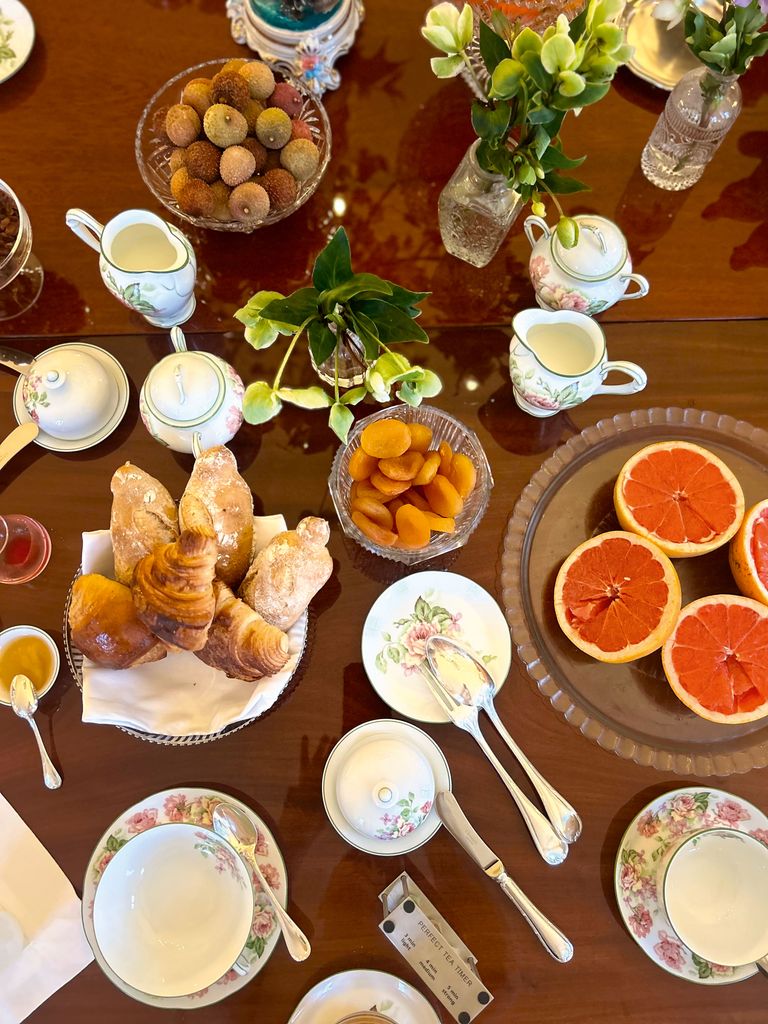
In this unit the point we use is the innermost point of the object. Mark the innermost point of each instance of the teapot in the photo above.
(148, 264)
(588, 278)
(191, 401)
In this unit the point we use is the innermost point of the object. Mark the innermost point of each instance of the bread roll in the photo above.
(143, 516)
(240, 642)
(288, 572)
(173, 590)
(105, 626)
(216, 482)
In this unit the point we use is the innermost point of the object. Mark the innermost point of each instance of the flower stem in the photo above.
(336, 372)
(473, 75)
(288, 351)
(552, 196)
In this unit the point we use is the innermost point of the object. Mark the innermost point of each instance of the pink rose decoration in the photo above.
(640, 922)
(628, 877)
(538, 269)
(263, 922)
(648, 824)
(142, 820)
(426, 808)
(416, 638)
(104, 861)
(670, 951)
(406, 828)
(271, 875)
(761, 834)
(731, 812)
(175, 807)
(647, 889)
(571, 300)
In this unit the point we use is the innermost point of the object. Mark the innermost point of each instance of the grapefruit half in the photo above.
(716, 659)
(749, 553)
(617, 597)
(680, 496)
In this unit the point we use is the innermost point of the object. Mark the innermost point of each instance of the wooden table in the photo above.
(398, 133)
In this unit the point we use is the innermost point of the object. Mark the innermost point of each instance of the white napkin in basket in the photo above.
(35, 890)
(180, 695)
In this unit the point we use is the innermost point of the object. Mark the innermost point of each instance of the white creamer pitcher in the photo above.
(148, 264)
(559, 359)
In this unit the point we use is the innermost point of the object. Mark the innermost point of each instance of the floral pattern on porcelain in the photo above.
(555, 295)
(407, 819)
(536, 389)
(223, 858)
(405, 645)
(33, 395)
(669, 819)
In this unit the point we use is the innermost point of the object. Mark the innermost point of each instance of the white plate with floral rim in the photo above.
(663, 821)
(192, 806)
(17, 37)
(407, 614)
(404, 839)
(353, 991)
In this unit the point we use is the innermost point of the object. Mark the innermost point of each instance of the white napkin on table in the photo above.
(35, 890)
(179, 695)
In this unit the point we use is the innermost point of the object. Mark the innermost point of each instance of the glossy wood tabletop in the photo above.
(70, 116)
(276, 764)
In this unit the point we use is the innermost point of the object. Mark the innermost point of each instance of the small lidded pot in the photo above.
(191, 398)
(588, 278)
(386, 788)
(69, 394)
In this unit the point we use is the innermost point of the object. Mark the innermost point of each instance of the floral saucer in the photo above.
(402, 835)
(17, 37)
(352, 991)
(412, 610)
(191, 806)
(662, 822)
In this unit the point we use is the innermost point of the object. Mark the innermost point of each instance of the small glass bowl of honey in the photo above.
(31, 651)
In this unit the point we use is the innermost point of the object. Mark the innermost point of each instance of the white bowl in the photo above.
(14, 633)
(69, 393)
(173, 910)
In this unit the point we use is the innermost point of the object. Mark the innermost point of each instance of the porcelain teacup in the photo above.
(173, 910)
(713, 886)
(559, 359)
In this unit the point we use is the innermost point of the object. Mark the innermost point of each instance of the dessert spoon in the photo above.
(24, 703)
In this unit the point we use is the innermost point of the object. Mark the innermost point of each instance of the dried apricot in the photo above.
(361, 465)
(385, 439)
(404, 467)
(352, 492)
(412, 527)
(443, 497)
(387, 486)
(395, 504)
(446, 455)
(421, 436)
(373, 531)
(414, 497)
(440, 524)
(427, 472)
(375, 511)
(365, 489)
(462, 474)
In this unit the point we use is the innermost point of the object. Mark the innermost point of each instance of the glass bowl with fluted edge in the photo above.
(444, 427)
(153, 148)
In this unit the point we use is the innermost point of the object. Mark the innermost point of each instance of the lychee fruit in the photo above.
(249, 203)
(273, 128)
(259, 153)
(281, 187)
(228, 87)
(224, 125)
(235, 64)
(197, 94)
(177, 159)
(182, 124)
(251, 112)
(221, 194)
(286, 98)
(261, 81)
(179, 179)
(197, 199)
(237, 165)
(301, 130)
(301, 158)
(203, 160)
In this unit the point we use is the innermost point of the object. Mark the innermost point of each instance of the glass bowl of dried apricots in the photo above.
(410, 484)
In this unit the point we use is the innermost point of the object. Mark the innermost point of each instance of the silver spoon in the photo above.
(24, 703)
(238, 830)
(474, 687)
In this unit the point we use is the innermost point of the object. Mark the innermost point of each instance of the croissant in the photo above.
(143, 516)
(240, 642)
(105, 626)
(217, 485)
(173, 589)
(288, 572)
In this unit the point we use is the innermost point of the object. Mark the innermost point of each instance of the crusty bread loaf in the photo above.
(105, 626)
(288, 572)
(143, 516)
(173, 590)
(240, 643)
(219, 487)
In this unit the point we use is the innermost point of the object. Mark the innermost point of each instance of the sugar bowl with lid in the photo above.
(591, 276)
(191, 398)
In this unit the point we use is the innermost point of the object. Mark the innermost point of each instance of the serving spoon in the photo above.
(470, 683)
(18, 438)
(24, 703)
(236, 828)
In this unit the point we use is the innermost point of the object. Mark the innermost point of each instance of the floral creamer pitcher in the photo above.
(558, 360)
(148, 264)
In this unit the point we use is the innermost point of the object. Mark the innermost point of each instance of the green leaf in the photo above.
(322, 341)
(555, 157)
(293, 310)
(421, 610)
(577, 26)
(447, 67)
(491, 122)
(306, 398)
(391, 322)
(333, 265)
(340, 419)
(430, 384)
(532, 64)
(354, 395)
(564, 186)
(380, 662)
(366, 331)
(250, 314)
(262, 335)
(260, 403)
(391, 367)
(355, 285)
(493, 49)
(409, 393)
(591, 94)
(542, 115)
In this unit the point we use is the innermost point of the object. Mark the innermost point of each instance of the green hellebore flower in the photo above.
(600, 11)
(449, 29)
(567, 232)
(608, 37)
(447, 67)
(571, 83)
(558, 54)
(506, 78)
(527, 42)
(539, 209)
(376, 385)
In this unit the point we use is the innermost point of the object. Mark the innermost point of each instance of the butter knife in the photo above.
(454, 819)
